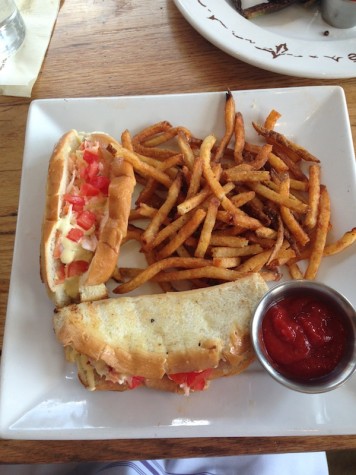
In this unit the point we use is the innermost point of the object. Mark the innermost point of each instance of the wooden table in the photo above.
(114, 48)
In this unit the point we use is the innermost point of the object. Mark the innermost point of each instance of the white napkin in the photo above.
(19, 72)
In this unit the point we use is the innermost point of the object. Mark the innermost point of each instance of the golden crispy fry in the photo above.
(345, 241)
(283, 257)
(228, 241)
(314, 196)
(322, 228)
(261, 157)
(220, 211)
(227, 262)
(294, 271)
(186, 231)
(274, 138)
(239, 130)
(242, 198)
(266, 233)
(153, 227)
(241, 176)
(156, 267)
(208, 226)
(255, 263)
(229, 126)
(141, 167)
(207, 272)
(288, 218)
(236, 251)
(195, 178)
(150, 131)
(278, 244)
(214, 183)
(165, 136)
(133, 233)
(186, 150)
(170, 229)
(266, 192)
(142, 211)
(198, 199)
(298, 185)
(277, 163)
(272, 119)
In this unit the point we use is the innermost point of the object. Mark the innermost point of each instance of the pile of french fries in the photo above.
(216, 210)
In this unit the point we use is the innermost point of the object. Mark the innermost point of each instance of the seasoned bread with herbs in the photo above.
(172, 341)
(88, 200)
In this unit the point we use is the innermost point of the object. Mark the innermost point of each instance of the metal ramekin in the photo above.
(346, 366)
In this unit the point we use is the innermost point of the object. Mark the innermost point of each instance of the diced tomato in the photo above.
(86, 219)
(76, 268)
(75, 234)
(195, 380)
(92, 170)
(75, 200)
(89, 156)
(136, 381)
(60, 276)
(87, 189)
(101, 182)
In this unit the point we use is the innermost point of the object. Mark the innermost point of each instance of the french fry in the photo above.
(266, 192)
(208, 226)
(208, 272)
(195, 179)
(272, 119)
(227, 262)
(228, 241)
(274, 138)
(239, 131)
(186, 150)
(288, 218)
(141, 167)
(151, 130)
(278, 244)
(242, 176)
(294, 271)
(229, 126)
(153, 227)
(236, 251)
(186, 231)
(344, 242)
(314, 196)
(261, 157)
(242, 198)
(322, 227)
(165, 136)
(216, 211)
(156, 267)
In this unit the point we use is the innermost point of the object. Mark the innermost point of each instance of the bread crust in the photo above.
(112, 232)
(155, 335)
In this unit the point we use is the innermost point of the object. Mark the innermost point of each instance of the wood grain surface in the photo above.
(117, 48)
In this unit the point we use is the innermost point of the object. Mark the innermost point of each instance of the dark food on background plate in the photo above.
(270, 6)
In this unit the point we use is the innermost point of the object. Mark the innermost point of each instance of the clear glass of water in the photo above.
(12, 29)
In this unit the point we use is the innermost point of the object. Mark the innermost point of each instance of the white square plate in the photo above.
(41, 397)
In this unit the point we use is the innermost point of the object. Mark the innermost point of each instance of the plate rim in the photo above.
(249, 52)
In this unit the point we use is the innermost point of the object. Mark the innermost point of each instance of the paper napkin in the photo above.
(19, 72)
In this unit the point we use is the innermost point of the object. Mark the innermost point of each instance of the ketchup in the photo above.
(304, 336)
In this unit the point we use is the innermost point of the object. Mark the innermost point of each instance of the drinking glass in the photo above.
(12, 29)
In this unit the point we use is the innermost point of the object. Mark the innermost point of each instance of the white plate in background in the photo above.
(291, 41)
(41, 397)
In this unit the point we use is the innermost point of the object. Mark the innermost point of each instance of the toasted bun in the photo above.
(155, 335)
(92, 284)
